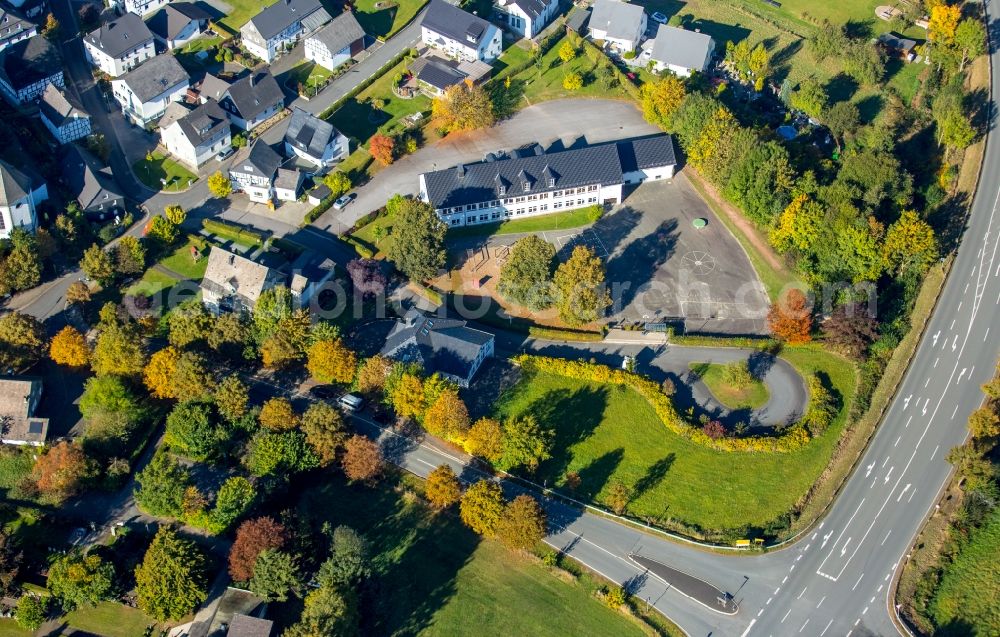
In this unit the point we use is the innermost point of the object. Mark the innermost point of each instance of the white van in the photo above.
(350, 402)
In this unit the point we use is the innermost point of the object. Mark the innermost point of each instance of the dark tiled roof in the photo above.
(283, 14)
(438, 74)
(246, 626)
(646, 153)
(13, 24)
(441, 345)
(577, 19)
(14, 184)
(531, 8)
(259, 157)
(680, 47)
(450, 21)
(29, 61)
(155, 76)
(255, 93)
(58, 106)
(288, 179)
(204, 123)
(86, 180)
(340, 33)
(308, 133)
(121, 35)
(169, 21)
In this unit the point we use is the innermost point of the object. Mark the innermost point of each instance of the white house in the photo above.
(253, 171)
(145, 92)
(288, 184)
(27, 68)
(196, 136)
(531, 184)
(20, 193)
(120, 45)
(527, 18)
(65, 119)
(315, 140)
(178, 23)
(14, 26)
(233, 283)
(336, 43)
(250, 101)
(681, 51)
(143, 8)
(618, 24)
(19, 398)
(459, 34)
(280, 25)
(91, 184)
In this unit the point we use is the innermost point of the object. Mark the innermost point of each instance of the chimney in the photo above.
(460, 169)
(252, 78)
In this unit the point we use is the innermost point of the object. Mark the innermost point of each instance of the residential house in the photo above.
(143, 8)
(28, 8)
(897, 45)
(253, 170)
(308, 274)
(178, 23)
(91, 184)
(144, 92)
(447, 347)
(288, 184)
(20, 193)
(526, 18)
(681, 51)
(120, 45)
(435, 74)
(618, 24)
(315, 140)
(196, 136)
(280, 26)
(233, 283)
(541, 183)
(211, 87)
(64, 118)
(15, 26)
(459, 34)
(247, 626)
(19, 398)
(336, 43)
(27, 67)
(253, 99)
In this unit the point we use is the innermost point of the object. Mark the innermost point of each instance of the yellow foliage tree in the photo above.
(407, 396)
(277, 414)
(463, 107)
(711, 135)
(943, 23)
(798, 225)
(448, 417)
(485, 439)
(661, 99)
(69, 347)
(332, 362)
(159, 373)
(909, 243)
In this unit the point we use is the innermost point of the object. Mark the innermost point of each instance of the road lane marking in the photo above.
(905, 489)
(888, 476)
(821, 602)
(760, 612)
(768, 602)
(987, 335)
(880, 587)
(747, 631)
(787, 613)
(865, 611)
(826, 629)
(804, 626)
(897, 440)
(776, 590)
(857, 582)
(910, 499)
(908, 422)
(934, 453)
(954, 412)
(843, 551)
(802, 593)
(785, 579)
(886, 537)
(927, 382)
(936, 361)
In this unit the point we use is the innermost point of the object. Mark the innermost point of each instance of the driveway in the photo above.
(551, 123)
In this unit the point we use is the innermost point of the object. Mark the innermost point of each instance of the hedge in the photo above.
(792, 439)
(743, 342)
(366, 83)
(236, 232)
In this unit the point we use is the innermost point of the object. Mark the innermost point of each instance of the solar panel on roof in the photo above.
(34, 427)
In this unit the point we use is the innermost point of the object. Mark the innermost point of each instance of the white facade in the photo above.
(32, 91)
(316, 51)
(649, 174)
(180, 146)
(121, 64)
(268, 49)
(542, 203)
(337, 150)
(72, 128)
(188, 33)
(523, 24)
(144, 7)
(487, 50)
(257, 187)
(142, 112)
(618, 43)
(254, 122)
(22, 213)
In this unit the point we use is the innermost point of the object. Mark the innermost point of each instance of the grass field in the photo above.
(608, 433)
(437, 578)
(181, 261)
(754, 396)
(187, 55)
(383, 19)
(307, 73)
(359, 120)
(15, 463)
(965, 600)
(110, 619)
(9, 628)
(152, 282)
(241, 11)
(557, 221)
(158, 168)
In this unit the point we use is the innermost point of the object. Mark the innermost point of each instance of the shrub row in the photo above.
(236, 232)
(744, 342)
(792, 439)
(368, 82)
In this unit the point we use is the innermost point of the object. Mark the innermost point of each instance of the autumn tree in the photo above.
(231, 398)
(381, 148)
(118, 351)
(174, 214)
(407, 396)
(159, 229)
(52, 27)
(337, 182)
(77, 293)
(522, 525)
(909, 244)
(618, 496)
(482, 507)
(362, 459)
(171, 581)
(79, 579)
(525, 443)
(526, 276)
(367, 277)
(22, 340)
(579, 281)
(325, 432)
(799, 226)
(943, 23)
(567, 52)
(984, 423)
(252, 538)
(572, 81)
(850, 329)
(463, 107)
(447, 417)
(277, 414)
(159, 372)
(97, 264)
(373, 372)
(189, 323)
(485, 439)
(417, 248)
(791, 318)
(192, 377)
(219, 185)
(327, 611)
(443, 488)
(62, 471)
(129, 255)
(332, 362)
(661, 99)
(69, 347)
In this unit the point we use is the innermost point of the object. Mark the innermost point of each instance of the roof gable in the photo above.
(57, 107)
(454, 23)
(118, 36)
(169, 21)
(340, 33)
(619, 20)
(680, 47)
(284, 13)
(258, 160)
(254, 94)
(28, 61)
(308, 133)
(155, 77)
(86, 179)
(228, 274)
(15, 185)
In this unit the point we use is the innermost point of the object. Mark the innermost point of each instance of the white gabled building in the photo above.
(459, 34)
(66, 120)
(535, 183)
(27, 68)
(253, 171)
(178, 23)
(120, 45)
(681, 51)
(618, 24)
(195, 136)
(336, 43)
(315, 140)
(20, 193)
(250, 101)
(145, 92)
(282, 24)
(527, 18)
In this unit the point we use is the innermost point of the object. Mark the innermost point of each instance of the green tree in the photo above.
(864, 62)
(273, 305)
(78, 580)
(526, 276)
(21, 268)
(231, 398)
(129, 255)
(841, 118)
(970, 40)
(192, 377)
(119, 350)
(761, 183)
(525, 443)
(581, 293)
(418, 245)
(189, 323)
(522, 526)
(272, 452)
(235, 497)
(327, 611)
(337, 182)
(219, 185)
(810, 98)
(22, 340)
(325, 431)
(275, 575)
(159, 229)
(32, 611)
(348, 563)
(161, 485)
(171, 580)
(175, 214)
(108, 394)
(191, 432)
(482, 507)
(955, 130)
(97, 265)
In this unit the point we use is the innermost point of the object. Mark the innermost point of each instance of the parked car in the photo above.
(350, 402)
(225, 153)
(343, 200)
(659, 17)
(322, 392)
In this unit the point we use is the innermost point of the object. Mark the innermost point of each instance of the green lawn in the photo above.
(359, 120)
(555, 221)
(240, 11)
(435, 577)
(609, 433)
(308, 74)
(754, 396)
(182, 262)
(110, 619)
(187, 54)
(159, 167)
(152, 282)
(15, 463)
(382, 19)
(9, 628)
(965, 600)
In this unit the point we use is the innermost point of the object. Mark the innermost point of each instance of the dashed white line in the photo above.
(802, 593)
(804, 626)
(897, 441)
(880, 587)
(821, 602)
(885, 538)
(936, 361)
(776, 590)
(787, 613)
(747, 631)
(934, 453)
(826, 629)
(857, 582)
(954, 412)
(760, 612)
(785, 579)
(768, 602)
(865, 611)
(911, 496)
(987, 335)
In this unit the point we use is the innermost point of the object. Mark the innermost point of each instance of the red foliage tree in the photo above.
(791, 318)
(381, 148)
(61, 472)
(362, 459)
(367, 276)
(253, 538)
(714, 429)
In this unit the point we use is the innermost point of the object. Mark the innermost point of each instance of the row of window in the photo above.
(516, 200)
(496, 215)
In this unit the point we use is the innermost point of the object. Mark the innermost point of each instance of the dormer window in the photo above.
(552, 182)
(501, 189)
(526, 186)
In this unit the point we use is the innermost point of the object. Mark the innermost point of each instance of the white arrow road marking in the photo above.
(888, 475)
(869, 469)
(905, 489)
(906, 401)
(825, 538)
(954, 343)
(843, 551)
(962, 373)
(938, 333)
(924, 412)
